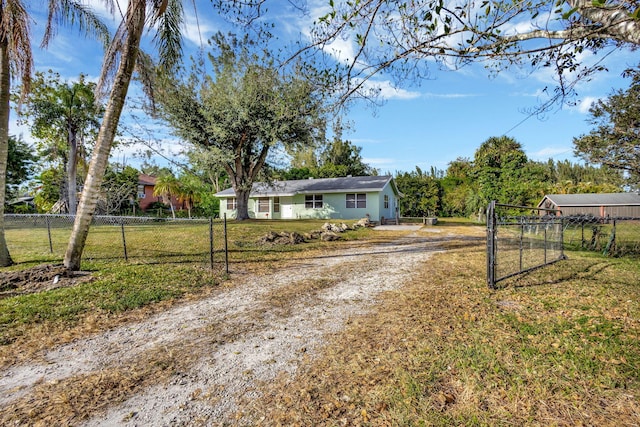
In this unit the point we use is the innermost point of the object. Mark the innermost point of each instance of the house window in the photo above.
(263, 204)
(141, 192)
(276, 204)
(386, 201)
(356, 200)
(231, 204)
(313, 201)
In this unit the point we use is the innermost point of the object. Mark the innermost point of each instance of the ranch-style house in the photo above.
(351, 197)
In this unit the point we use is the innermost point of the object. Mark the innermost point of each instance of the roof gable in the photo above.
(145, 179)
(315, 186)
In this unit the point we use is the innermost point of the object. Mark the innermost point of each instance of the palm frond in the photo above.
(110, 61)
(62, 12)
(14, 28)
(145, 69)
(168, 17)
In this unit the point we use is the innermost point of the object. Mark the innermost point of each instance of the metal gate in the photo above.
(521, 239)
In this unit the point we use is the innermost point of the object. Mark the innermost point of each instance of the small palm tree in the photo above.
(16, 55)
(189, 192)
(167, 187)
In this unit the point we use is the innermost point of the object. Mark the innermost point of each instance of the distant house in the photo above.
(597, 204)
(146, 185)
(323, 198)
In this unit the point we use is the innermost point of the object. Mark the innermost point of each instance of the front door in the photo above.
(286, 208)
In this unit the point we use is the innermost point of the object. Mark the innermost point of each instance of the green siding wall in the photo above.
(333, 207)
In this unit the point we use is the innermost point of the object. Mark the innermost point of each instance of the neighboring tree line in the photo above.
(500, 170)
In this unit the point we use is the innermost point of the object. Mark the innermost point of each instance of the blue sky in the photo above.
(427, 124)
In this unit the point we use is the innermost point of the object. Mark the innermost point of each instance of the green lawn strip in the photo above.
(559, 347)
(117, 288)
(167, 242)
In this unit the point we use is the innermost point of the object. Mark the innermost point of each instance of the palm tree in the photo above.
(167, 186)
(66, 113)
(118, 67)
(16, 55)
(189, 191)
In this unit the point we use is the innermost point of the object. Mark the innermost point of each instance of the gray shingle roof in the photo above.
(594, 199)
(314, 186)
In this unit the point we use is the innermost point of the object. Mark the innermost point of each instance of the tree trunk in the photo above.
(72, 163)
(5, 88)
(242, 205)
(173, 210)
(98, 165)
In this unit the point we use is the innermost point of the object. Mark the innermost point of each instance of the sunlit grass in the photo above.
(557, 346)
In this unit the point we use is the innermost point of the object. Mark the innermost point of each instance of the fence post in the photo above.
(211, 243)
(562, 238)
(491, 229)
(521, 240)
(124, 241)
(226, 246)
(49, 234)
(611, 244)
(545, 245)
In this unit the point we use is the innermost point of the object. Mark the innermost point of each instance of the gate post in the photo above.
(491, 244)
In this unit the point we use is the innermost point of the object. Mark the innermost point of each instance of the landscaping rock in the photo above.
(283, 238)
(328, 233)
(364, 222)
(329, 236)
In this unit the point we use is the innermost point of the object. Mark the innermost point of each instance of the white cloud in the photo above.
(549, 152)
(449, 95)
(378, 161)
(197, 29)
(100, 8)
(586, 103)
(387, 91)
(20, 131)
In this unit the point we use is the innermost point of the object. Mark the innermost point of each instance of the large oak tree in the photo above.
(242, 111)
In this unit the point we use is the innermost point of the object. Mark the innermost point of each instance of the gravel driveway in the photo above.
(239, 337)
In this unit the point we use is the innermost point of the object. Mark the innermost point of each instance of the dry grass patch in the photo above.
(556, 347)
(70, 400)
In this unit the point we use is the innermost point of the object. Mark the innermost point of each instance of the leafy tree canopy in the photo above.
(20, 163)
(615, 140)
(421, 193)
(64, 118)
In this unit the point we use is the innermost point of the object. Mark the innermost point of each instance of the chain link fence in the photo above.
(612, 236)
(143, 240)
(521, 239)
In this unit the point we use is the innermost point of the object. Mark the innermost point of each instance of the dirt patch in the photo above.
(38, 279)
